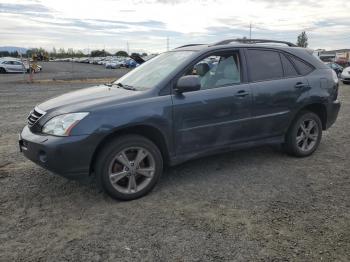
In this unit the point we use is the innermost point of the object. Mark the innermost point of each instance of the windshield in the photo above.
(153, 71)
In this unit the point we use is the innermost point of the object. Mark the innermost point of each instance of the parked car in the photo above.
(345, 75)
(174, 108)
(131, 63)
(113, 64)
(337, 68)
(12, 65)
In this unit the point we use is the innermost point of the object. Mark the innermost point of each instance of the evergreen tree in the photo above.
(302, 40)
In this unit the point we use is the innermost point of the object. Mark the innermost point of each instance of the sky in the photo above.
(145, 25)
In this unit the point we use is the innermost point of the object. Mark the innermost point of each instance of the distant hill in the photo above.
(13, 49)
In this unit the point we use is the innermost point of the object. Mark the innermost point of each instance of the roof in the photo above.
(238, 43)
(303, 53)
(9, 58)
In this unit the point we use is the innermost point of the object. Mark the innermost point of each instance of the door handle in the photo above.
(300, 85)
(242, 93)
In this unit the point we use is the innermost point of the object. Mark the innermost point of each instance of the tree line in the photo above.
(302, 41)
(63, 53)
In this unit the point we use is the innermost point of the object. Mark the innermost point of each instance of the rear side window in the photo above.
(288, 68)
(264, 65)
(302, 67)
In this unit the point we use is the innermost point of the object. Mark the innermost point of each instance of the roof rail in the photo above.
(187, 45)
(253, 41)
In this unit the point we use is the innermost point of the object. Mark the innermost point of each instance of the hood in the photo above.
(88, 98)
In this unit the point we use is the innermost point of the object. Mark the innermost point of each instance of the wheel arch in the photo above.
(150, 132)
(317, 108)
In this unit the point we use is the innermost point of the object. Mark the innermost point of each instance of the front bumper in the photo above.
(332, 112)
(67, 156)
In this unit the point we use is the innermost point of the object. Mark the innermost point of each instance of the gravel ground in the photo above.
(251, 205)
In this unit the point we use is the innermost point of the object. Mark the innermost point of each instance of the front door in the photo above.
(219, 113)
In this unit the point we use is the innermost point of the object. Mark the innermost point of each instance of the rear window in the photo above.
(264, 65)
(288, 68)
(302, 67)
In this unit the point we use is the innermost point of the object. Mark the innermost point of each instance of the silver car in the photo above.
(13, 66)
(345, 75)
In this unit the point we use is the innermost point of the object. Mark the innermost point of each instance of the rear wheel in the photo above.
(304, 135)
(129, 167)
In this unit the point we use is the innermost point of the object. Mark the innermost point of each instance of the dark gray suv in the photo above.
(190, 102)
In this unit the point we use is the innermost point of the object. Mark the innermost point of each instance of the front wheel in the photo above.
(304, 135)
(129, 167)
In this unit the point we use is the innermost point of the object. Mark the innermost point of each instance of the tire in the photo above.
(304, 135)
(2, 70)
(134, 178)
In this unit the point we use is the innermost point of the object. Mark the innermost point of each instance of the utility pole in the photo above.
(127, 47)
(250, 30)
(167, 44)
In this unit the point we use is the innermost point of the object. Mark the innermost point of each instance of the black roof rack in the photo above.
(253, 41)
(187, 45)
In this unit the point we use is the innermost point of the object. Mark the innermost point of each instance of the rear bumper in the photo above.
(332, 113)
(67, 156)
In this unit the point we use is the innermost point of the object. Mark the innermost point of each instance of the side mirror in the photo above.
(188, 83)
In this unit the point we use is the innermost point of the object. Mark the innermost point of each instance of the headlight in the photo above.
(62, 125)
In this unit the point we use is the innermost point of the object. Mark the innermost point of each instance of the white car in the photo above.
(345, 75)
(13, 66)
(113, 64)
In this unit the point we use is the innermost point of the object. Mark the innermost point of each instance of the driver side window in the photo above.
(216, 71)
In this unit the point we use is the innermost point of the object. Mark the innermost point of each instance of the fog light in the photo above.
(42, 156)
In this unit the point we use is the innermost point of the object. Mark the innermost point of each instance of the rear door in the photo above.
(277, 87)
(219, 113)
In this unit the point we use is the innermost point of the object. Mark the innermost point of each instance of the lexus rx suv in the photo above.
(193, 101)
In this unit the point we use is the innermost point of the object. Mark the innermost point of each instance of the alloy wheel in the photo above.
(307, 135)
(131, 170)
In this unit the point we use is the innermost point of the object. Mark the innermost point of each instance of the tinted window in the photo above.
(216, 71)
(264, 65)
(302, 67)
(288, 68)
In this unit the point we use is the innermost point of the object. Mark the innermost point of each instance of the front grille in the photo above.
(34, 116)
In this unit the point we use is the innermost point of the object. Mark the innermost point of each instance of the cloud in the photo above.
(23, 8)
(147, 23)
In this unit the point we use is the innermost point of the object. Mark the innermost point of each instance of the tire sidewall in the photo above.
(293, 134)
(109, 152)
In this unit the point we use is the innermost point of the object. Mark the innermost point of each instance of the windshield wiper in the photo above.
(127, 87)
